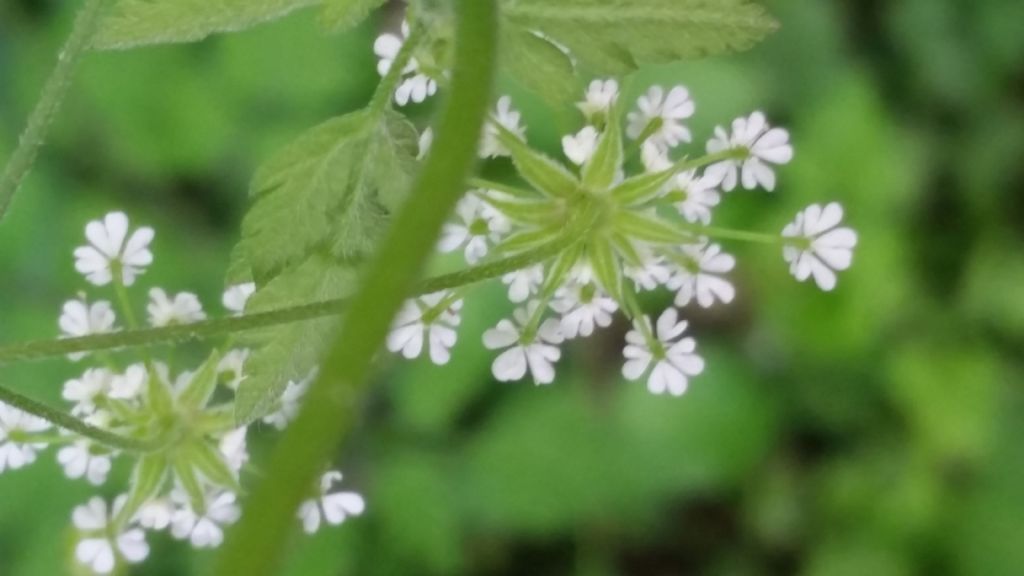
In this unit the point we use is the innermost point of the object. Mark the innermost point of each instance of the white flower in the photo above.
(79, 461)
(206, 529)
(232, 366)
(699, 197)
(16, 453)
(332, 508)
(108, 250)
(580, 148)
(291, 401)
(523, 282)
(654, 157)
(129, 384)
(583, 307)
(476, 228)
(600, 97)
(822, 247)
(99, 549)
(701, 279)
(155, 514)
(764, 146)
(236, 297)
(490, 145)
(426, 141)
(419, 321)
(183, 309)
(675, 359)
(535, 353)
(415, 87)
(79, 318)
(233, 447)
(652, 274)
(84, 391)
(660, 117)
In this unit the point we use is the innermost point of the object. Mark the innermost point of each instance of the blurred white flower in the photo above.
(98, 549)
(111, 248)
(599, 99)
(477, 227)
(420, 322)
(203, 529)
(415, 86)
(674, 357)
(79, 461)
(535, 353)
(660, 117)
(184, 308)
(330, 507)
(236, 297)
(523, 283)
(505, 115)
(291, 401)
(580, 148)
(84, 390)
(79, 318)
(765, 146)
(701, 279)
(825, 248)
(15, 425)
(583, 308)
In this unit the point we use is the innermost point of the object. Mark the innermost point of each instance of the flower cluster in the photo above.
(177, 426)
(628, 213)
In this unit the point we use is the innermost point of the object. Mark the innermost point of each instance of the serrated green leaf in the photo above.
(332, 189)
(202, 385)
(539, 65)
(600, 171)
(616, 36)
(341, 15)
(543, 173)
(291, 351)
(646, 228)
(131, 23)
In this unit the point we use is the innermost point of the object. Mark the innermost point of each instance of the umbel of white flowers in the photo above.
(193, 499)
(657, 234)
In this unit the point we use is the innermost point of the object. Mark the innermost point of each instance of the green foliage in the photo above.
(616, 37)
(132, 23)
(539, 65)
(341, 15)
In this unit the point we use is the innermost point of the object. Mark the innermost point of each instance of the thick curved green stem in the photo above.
(256, 545)
(41, 349)
(53, 95)
(72, 424)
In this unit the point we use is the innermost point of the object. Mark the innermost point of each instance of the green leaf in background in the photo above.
(341, 15)
(615, 37)
(330, 190)
(539, 65)
(134, 23)
(290, 351)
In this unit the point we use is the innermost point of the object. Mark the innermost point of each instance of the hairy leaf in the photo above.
(616, 36)
(331, 190)
(289, 352)
(341, 15)
(539, 65)
(133, 23)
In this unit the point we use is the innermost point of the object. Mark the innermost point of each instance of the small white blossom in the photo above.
(600, 97)
(111, 247)
(79, 318)
(419, 321)
(699, 197)
(415, 86)
(84, 391)
(183, 309)
(477, 226)
(675, 359)
(580, 148)
(583, 308)
(236, 297)
(232, 367)
(651, 275)
(15, 454)
(523, 283)
(765, 146)
(291, 401)
(233, 447)
(99, 549)
(155, 514)
(661, 117)
(330, 507)
(505, 115)
(654, 157)
(536, 354)
(130, 384)
(826, 247)
(79, 461)
(701, 279)
(206, 529)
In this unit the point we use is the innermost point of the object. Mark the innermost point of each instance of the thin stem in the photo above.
(499, 187)
(256, 545)
(41, 349)
(386, 89)
(72, 424)
(731, 234)
(56, 88)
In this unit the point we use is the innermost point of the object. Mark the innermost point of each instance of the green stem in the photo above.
(731, 234)
(42, 349)
(56, 88)
(499, 187)
(386, 89)
(72, 424)
(256, 545)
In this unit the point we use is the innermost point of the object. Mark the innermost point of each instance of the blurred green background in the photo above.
(876, 430)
